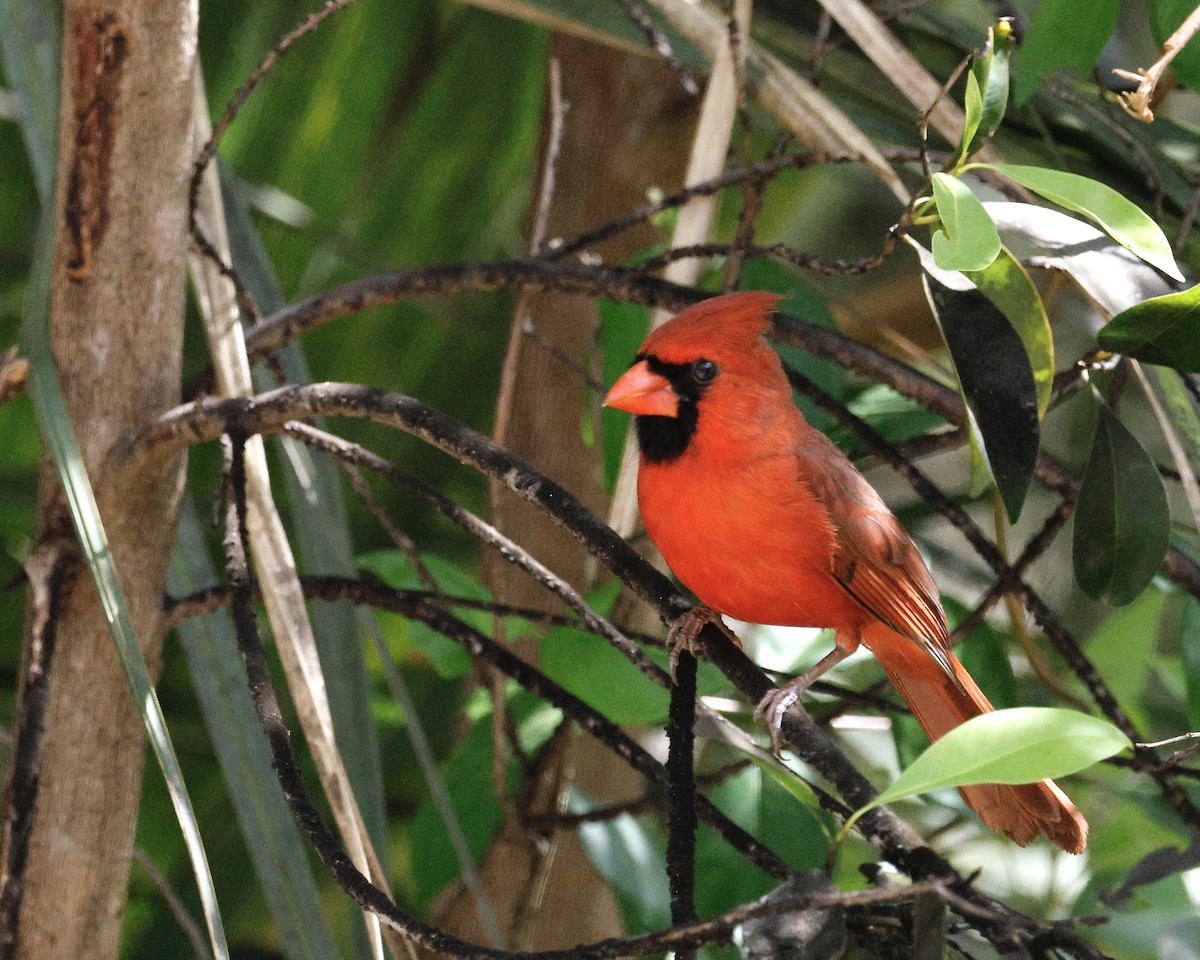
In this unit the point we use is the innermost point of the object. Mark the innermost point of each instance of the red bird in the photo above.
(765, 520)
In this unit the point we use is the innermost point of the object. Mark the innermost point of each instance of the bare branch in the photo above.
(1137, 102)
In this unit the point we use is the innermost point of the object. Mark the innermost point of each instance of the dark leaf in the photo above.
(1008, 286)
(1164, 330)
(1122, 522)
(997, 382)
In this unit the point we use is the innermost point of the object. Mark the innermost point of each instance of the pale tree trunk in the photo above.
(626, 129)
(116, 326)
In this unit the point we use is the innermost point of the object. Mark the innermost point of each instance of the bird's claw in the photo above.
(771, 709)
(684, 636)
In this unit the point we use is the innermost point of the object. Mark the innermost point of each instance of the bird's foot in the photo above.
(685, 633)
(772, 707)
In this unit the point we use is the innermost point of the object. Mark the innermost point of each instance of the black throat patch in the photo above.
(663, 439)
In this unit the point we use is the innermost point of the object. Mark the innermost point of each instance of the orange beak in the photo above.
(641, 391)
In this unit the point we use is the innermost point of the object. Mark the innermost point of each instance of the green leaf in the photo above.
(987, 91)
(592, 669)
(968, 239)
(996, 380)
(395, 569)
(972, 114)
(1122, 521)
(1021, 745)
(1129, 635)
(1063, 33)
(894, 415)
(472, 789)
(1006, 284)
(628, 852)
(1119, 217)
(1162, 330)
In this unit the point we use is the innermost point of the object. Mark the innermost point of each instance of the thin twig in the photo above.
(187, 923)
(209, 150)
(1037, 545)
(1137, 102)
(658, 40)
(401, 539)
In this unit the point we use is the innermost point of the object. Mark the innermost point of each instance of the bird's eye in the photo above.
(705, 371)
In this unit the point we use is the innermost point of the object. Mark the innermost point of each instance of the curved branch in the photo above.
(207, 419)
(418, 605)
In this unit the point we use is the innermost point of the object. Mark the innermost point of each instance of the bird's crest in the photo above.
(734, 318)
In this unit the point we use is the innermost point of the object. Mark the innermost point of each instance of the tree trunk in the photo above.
(116, 326)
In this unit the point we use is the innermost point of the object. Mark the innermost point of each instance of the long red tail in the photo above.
(1021, 811)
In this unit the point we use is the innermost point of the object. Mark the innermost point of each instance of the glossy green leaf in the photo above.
(1122, 521)
(1119, 217)
(1021, 745)
(972, 115)
(1163, 330)
(628, 852)
(1006, 284)
(987, 91)
(997, 383)
(967, 239)
(472, 789)
(1062, 33)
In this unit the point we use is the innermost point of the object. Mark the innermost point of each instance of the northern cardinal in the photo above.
(765, 520)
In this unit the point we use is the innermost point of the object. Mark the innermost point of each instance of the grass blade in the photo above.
(29, 45)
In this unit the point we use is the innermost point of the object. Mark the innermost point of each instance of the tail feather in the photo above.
(1021, 811)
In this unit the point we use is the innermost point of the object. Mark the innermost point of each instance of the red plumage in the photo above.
(766, 520)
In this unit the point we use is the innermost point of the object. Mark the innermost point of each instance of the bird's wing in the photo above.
(874, 560)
